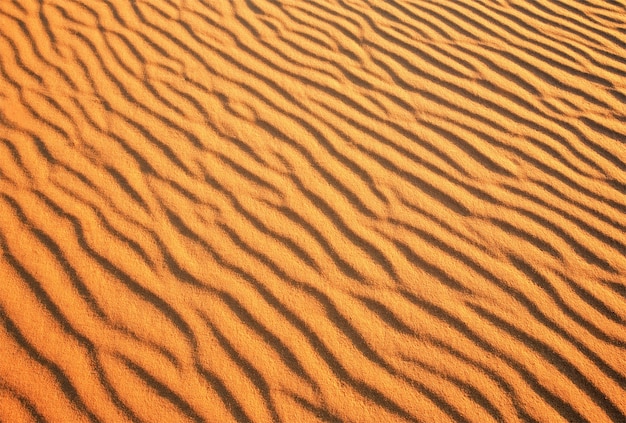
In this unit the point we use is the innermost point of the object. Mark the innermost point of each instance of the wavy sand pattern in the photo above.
(313, 211)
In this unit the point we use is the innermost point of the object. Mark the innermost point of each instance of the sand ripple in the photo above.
(321, 210)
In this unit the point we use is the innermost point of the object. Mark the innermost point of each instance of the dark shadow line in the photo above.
(449, 250)
(182, 191)
(561, 158)
(66, 15)
(19, 6)
(407, 49)
(430, 147)
(254, 8)
(160, 145)
(599, 235)
(36, 51)
(285, 94)
(488, 372)
(544, 74)
(210, 6)
(116, 15)
(322, 45)
(309, 127)
(160, 389)
(518, 232)
(389, 142)
(598, 148)
(438, 220)
(224, 393)
(491, 104)
(512, 32)
(426, 187)
(596, 303)
(77, 282)
(135, 287)
(618, 288)
(18, 59)
(431, 269)
(246, 366)
(58, 254)
(413, 17)
(290, 360)
(556, 402)
(527, 24)
(24, 402)
(131, 47)
(170, 356)
(493, 65)
(47, 302)
(331, 12)
(16, 155)
(315, 59)
(274, 342)
(337, 368)
(564, 366)
(345, 267)
(386, 315)
(286, 241)
(153, 90)
(289, 97)
(584, 252)
(144, 165)
(607, 55)
(590, 78)
(150, 41)
(349, 330)
(128, 97)
(181, 274)
(56, 128)
(193, 101)
(577, 24)
(543, 167)
(472, 392)
(184, 230)
(530, 306)
(45, 23)
(63, 381)
(158, 11)
(350, 196)
(619, 186)
(247, 174)
(549, 289)
(320, 413)
(134, 245)
(55, 105)
(12, 82)
(367, 247)
(87, 74)
(261, 257)
(471, 23)
(560, 42)
(361, 344)
(127, 187)
(468, 148)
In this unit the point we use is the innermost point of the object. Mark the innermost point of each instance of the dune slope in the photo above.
(313, 211)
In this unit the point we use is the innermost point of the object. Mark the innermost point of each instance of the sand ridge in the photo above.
(313, 211)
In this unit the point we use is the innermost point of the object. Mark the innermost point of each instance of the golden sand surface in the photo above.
(313, 211)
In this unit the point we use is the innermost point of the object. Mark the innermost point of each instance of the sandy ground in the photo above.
(313, 211)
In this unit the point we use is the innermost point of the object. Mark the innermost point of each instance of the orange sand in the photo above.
(313, 211)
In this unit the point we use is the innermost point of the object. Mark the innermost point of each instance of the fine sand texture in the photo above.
(312, 211)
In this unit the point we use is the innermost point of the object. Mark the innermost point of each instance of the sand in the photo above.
(313, 211)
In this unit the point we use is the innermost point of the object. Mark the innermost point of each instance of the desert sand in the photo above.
(313, 211)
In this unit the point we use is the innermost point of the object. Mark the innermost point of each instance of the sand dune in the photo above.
(313, 211)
